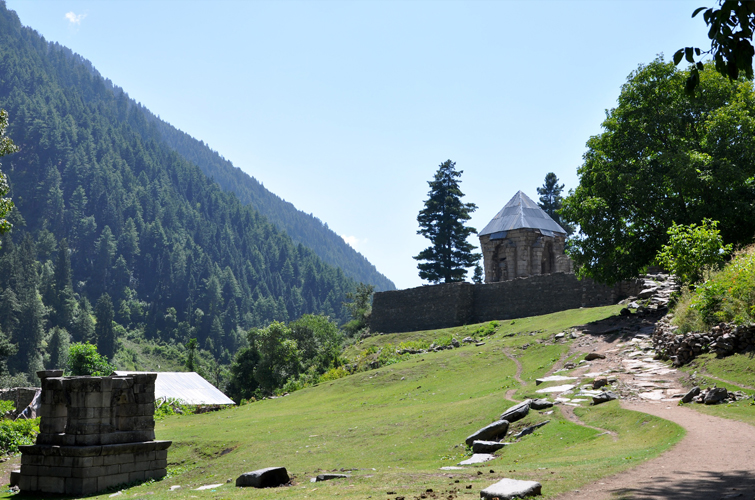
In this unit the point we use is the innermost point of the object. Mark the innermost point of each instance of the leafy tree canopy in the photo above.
(730, 32)
(442, 222)
(663, 157)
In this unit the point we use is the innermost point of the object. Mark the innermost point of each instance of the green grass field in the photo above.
(393, 428)
(736, 373)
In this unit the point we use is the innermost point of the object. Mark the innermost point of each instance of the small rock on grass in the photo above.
(491, 431)
(716, 395)
(507, 489)
(604, 397)
(691, 394)
(540, 404)
(594, 355)
(517, 412)
(328, 477)
(264, 478)
(599, 382)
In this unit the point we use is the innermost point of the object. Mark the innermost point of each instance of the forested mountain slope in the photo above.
(109, 214)
(303, 228)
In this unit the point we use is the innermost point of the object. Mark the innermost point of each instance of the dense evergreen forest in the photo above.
(113, 227)
(303, 228)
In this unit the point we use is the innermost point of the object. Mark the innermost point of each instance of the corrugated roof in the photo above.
(521, 212)
(188, 387)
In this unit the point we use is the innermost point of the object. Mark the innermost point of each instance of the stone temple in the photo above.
(522, 241)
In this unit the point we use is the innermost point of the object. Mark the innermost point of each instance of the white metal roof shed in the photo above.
(188, 387)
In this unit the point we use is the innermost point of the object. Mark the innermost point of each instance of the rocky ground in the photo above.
(716, 458)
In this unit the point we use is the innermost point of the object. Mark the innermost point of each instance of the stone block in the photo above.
(111, 470)
(49, 484)
(87, 439)
(105, 482)
(131, 467)
(81, 486)
(146, 456)
(93, 400)
(28, 483)
(161, 454)
(30, 470)
(82, 472)
(137, 475)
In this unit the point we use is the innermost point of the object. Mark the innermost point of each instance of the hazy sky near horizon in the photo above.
(346, 108)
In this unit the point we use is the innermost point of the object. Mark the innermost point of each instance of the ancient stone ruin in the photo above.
(522, 241)
(95, 433)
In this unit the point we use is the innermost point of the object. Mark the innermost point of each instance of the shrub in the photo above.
(692, 249)
(727, 296)
(14, 433)
(83, 359)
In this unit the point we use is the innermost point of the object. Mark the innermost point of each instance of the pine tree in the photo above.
(104, 332)
(550, 200)
(6, 147)
(442, 222)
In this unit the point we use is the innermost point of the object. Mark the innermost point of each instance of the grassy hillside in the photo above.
(394, 427)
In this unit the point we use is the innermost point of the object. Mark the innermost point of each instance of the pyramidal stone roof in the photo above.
(522, 213)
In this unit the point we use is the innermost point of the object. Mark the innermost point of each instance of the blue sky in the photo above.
(346, 109)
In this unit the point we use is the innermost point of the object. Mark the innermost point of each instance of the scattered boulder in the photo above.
(716, 395)
(264, 478)
(455, 343)
(530, 430)
(327, 477)
(517, 412)
(691, 394)
(540, 404)
(599, 382)
(468, 340)
(507, 489)
(486, 446)
(604, 397)
(489, 432)
(559, 336)
(594, 355)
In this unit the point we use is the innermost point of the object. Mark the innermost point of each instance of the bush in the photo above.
(170, 406)
(727, 296)
(83, 359)
(14, 433)
(692, 250)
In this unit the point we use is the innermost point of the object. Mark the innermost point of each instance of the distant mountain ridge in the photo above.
(301, 227)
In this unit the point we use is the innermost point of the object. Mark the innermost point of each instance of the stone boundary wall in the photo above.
(724, 340)
(457, 304)
(21, 397)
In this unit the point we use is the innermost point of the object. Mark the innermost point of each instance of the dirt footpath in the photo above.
(716, 458)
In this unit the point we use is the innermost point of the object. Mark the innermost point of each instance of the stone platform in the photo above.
(95, 433)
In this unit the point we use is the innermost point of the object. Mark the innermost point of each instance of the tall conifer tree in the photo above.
(442, 222)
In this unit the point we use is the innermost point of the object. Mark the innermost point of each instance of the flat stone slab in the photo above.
(556, 388)
(486, 446)
(451, 467)
(507, 489)
(653, 395)
(264, 478)
(208, 487)
(517, 412)
(477, 458)
(553, 378)
(497, 428)
(328, 477)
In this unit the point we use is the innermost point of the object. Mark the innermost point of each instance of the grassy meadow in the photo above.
(393, 428)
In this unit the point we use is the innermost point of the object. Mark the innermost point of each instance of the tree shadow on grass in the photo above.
(701, 485)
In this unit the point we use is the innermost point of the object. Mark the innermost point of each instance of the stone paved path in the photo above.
(716, 458)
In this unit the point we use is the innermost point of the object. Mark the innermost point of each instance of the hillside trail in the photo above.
(715, 459)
